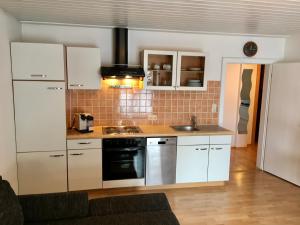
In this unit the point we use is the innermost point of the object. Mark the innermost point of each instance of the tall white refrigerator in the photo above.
(282, 152)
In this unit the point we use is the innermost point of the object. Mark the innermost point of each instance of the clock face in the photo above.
(250, 49)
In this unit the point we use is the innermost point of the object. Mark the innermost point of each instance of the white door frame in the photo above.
(263, 122)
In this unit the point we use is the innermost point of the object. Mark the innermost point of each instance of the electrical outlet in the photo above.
(152, 117)
(214, 108)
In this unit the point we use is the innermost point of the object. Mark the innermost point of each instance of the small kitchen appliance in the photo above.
(83, 122)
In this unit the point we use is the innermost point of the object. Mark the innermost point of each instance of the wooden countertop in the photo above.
(151, 131)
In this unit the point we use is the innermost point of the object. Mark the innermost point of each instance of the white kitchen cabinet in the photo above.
(174, 70)
(84, 169)
(83, 66)
(193, 140)
(192, 163)
(42, 172)
(84, 144)
(160, 69)
(191, 71)
(220, 140)
(219, 162)
(35, 61)
(40, 116)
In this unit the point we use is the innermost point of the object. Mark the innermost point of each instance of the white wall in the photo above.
(10, 30)
(292, 49)
(216, 46)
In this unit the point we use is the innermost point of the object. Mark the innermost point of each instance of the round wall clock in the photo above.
(250, 49)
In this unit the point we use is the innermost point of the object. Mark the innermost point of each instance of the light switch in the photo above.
(214, 108)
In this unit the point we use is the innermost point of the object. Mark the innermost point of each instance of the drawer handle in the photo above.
(84, 143)
(56, 156)
(38, 75)
(54, 88)
(76, 85)
(76, 154)
(202, 149)
(219, 148)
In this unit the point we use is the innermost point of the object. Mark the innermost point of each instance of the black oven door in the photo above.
(123, 163)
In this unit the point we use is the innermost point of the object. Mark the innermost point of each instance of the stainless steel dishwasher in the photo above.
(161, 161)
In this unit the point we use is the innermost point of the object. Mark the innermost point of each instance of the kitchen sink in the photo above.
(185, 128)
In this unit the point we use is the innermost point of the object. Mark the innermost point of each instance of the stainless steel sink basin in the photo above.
(185, 128)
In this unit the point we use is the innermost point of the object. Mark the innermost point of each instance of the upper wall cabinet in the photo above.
(191, 71)
(174, 70)
(35, 61)
(160, 69)
(83, 68)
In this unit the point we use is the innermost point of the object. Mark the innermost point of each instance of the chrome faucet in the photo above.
(194, 121)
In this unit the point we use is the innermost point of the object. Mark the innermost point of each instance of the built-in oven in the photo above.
(123, 162)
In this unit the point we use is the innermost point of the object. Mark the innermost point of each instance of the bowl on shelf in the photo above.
(167, 67)
(194, 83)
(195, 69)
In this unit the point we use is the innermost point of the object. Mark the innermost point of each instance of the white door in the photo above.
(40, 116)
(282, 155)
(219, 162)
(83, 68)
(42, 172)
(240, 101)
(35, 61)
(192, 163)
(84, 169)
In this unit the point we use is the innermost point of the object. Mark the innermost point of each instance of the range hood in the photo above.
(121, 69)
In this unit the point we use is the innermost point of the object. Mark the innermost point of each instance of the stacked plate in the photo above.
(194, 83)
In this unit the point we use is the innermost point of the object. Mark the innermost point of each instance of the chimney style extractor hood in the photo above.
(121, 69)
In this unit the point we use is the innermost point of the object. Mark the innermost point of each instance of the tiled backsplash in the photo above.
(134, 107)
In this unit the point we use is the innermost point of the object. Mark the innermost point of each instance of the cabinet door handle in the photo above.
(76, 85)
(203, 149)
(56, 156)
(219, 148)
(38, 75)
(54, 88)
(84, 143)
(76, 154)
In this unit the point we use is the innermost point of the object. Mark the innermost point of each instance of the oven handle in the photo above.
(124, 149)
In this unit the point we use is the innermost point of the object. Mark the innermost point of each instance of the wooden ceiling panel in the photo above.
(268, 17)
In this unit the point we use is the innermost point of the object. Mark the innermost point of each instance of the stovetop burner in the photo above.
(121, 130)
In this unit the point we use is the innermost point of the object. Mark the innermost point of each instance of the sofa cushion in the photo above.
(128, 204)
(145, 218)
(10, 208)
(43, 207)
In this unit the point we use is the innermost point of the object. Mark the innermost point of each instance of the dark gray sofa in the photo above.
(74, 208)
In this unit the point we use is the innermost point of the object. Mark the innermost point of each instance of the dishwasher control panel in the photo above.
(162, 141)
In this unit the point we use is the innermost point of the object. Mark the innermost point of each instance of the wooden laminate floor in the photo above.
(250, 197)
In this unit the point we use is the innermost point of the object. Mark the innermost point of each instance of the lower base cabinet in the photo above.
(219, 162)
(84, 169)
(42, 172)
(192, 163)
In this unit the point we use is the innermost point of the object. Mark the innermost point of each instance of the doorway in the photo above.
(242, 104)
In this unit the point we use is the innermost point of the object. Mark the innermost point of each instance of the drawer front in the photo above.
(220, 140)
(84, 169)
(42, 172)
(84, 144)
(193, 140)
